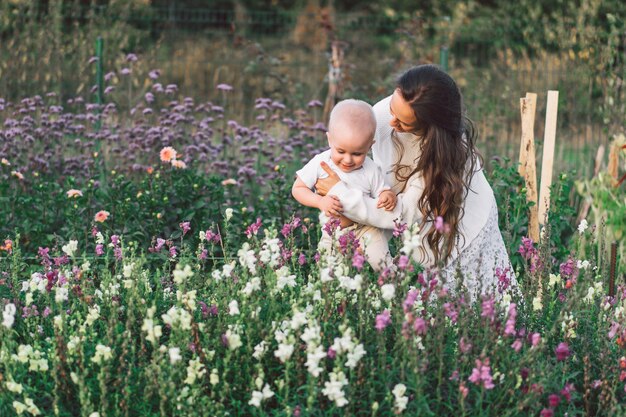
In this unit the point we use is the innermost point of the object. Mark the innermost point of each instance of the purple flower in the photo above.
(451, 312)
(358, 260)
(46, 312)
(185, 226)
(301, 259)
(546, 412)
(213, 310)
(173, 251)
(154, 74)
(481, 374)
(131, 58)
(535, 338)
(224, 87)
(399, 228)
(527, 248)
(554, 400)
(517, 345)
(464, 346)
(314, 103)
(159, 244)
(253, 229)
(383, 320)
(441, 226)
(125, 71)
(411, 296)
(331, 353)
(403, 262)
(509, 328)
(488, 310)
(420, 326)
(562, 351)
(117, 252)
(115, 239)
(203, 255)
(568, 269)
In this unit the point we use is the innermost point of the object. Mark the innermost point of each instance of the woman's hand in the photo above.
(323, 185)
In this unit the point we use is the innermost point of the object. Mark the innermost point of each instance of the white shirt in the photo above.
(368, 179)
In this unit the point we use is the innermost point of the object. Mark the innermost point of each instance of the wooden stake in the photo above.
(548, 155)
(613, 267)
(527, 160)
(596, 170)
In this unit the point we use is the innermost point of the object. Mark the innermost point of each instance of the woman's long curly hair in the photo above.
(448, 155)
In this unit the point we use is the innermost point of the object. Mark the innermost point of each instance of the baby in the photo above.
(350, 135)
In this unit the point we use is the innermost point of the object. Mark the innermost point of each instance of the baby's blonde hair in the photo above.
(355, 115)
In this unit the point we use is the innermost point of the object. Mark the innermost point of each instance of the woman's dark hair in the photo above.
(448, 156)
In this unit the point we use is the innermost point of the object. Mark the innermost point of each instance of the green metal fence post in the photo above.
(443, 57)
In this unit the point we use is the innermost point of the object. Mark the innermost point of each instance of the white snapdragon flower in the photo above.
(284, 278)
(401, 400)
(14, 387)
(233, 308)
(233, 338)
(181, 274)
(214, 378)
(195, 370)
(251, 286)
(103, 353)
(99, 238)
(284, 352)
(314, 355)
(153, 331)
(355, 356)
(228, 213)
(582, 264)
(258, 396)
(8, 315)
(174, 353)
(388, 291)
(333, 389)
(259, 350)
(554, 280)
(298, 320)
(582, 226)
(177, 317)
(127, 271)
(92, 315)
(247, 258)
(70, 248)
(61, 294)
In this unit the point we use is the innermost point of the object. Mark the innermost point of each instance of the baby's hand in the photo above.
(330, 205)
(387, 200)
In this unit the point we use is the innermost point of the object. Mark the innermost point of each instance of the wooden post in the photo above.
(527, 160)
(548, 155)
(596, 170)
(335, 77)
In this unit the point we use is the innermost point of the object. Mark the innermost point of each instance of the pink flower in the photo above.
(74, 193)
(176, 163)
(185, 227)
(464, 346)
(547, 412)
(488, 310)
(358, 260)
(562, 351)
(99, 249)
(509, 328)
(229, 181)
(167, 154)
(383, 320)
(420, 326)
(224, 87)
(554, 400)
(101, 216)
(463, 389)
(517, 345)
(481, 374)
(403, 262)
(535, 338)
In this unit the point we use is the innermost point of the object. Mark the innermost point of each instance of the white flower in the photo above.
(554, 280)
(177, 317)
(313, 357)
(128, 270)
(355, 356)
(214, 378)
(284, 278)
(233, 338)
(93, 315)
(174, 353)
(60, 294)
(194, 371)
(582, 264)
(14, 387)
(258, 396)
(70, 248)
(298, 320)
(182, 273)
(400, 399)
(284, 352)
(103, 353)
(153, 332)
(582, 226)
(8, 315)
(202, 235)
(233, 308)
(259, 350)
(333, 389)
(228, 213)
(253, 285)
(94, 414)
(247, 258)
(388, 291)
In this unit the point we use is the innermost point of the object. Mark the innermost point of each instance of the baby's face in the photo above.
(348, 151)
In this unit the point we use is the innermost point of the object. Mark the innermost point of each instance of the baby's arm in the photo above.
(387, 199)
(329, 204)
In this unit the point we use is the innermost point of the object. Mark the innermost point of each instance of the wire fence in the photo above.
(284, 54)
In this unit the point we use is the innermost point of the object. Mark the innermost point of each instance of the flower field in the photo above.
(154, 263)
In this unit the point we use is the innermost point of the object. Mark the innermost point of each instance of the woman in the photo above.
(426, 147)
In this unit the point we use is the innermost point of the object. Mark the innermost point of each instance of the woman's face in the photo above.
(402, 116)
